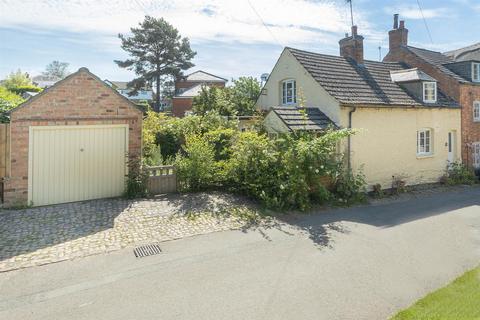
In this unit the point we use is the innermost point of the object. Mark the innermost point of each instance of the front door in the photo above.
(451, 146)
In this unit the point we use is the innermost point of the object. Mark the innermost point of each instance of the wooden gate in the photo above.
(4, 154)
(161, 179)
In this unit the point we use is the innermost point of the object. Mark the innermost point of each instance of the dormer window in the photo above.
(476, 72)
(430, 92)
(289, 92)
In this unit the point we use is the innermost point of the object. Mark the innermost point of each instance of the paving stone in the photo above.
(43, 235)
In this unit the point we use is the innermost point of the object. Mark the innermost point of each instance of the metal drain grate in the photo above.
(147, 250)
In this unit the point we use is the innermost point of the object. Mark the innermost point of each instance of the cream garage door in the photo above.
(74, 163)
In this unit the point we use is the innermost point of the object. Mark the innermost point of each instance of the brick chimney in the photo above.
(398, 36)
(352, 47)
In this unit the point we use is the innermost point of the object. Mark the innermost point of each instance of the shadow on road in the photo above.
(319, 224)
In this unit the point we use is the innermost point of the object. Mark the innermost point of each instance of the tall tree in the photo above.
(157, 52)
(56, 70)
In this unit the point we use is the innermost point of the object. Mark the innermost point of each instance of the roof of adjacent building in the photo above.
(309, 119)
(120, 85)
(436, 59)
(455, 54)
(367, 84)
(203, 76)
(190, 92)
(409, 75)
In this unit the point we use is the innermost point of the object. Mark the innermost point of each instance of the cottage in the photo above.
(190, 86)
(408, 127)
(458, 75)
(69, 143)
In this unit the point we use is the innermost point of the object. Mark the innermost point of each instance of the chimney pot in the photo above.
(398, 36)
(352, 47)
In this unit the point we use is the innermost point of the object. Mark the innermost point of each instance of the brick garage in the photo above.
(83, 101)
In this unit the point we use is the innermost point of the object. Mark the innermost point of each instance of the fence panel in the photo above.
(162, 179)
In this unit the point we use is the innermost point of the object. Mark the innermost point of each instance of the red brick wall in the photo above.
(81, 99)
(470, 129)
(180, 106)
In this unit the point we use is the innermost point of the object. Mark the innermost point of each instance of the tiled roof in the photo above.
(454, 54)
(437, 59)
(370, 84)
(310, 119)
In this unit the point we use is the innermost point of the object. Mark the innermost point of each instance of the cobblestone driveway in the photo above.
(49, 234)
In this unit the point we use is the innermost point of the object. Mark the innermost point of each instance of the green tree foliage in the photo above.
(214, 99)
(8, 101)
(157, 52)
(245, 94)
(238, 100)
(56, 70)
(169, 133)
(17, 79)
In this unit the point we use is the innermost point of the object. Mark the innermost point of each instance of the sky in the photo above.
(232, 38)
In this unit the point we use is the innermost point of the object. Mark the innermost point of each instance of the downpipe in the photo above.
(349, 143)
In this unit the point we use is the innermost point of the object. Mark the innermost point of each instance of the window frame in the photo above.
(284, 96)
(475, 158)
(476, 76)
(424, 85)
(427, 136)
(476, 111)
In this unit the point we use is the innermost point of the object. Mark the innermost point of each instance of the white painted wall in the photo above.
(288, 67)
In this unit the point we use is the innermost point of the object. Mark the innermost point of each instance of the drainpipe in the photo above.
(350, 138)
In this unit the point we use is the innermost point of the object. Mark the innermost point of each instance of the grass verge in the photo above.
(460, 300)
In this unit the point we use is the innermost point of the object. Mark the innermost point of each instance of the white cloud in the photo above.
(290, 21)
(413, 12)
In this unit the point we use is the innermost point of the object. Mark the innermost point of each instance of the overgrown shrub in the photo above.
(291, 171)
(8, 101)
(136, 180)
(458, 173)
(350, 188)
(196, 166)
(288, 172)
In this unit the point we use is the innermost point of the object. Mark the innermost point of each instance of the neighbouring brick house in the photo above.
(69, 143)
(458, 75)
(190, 86)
